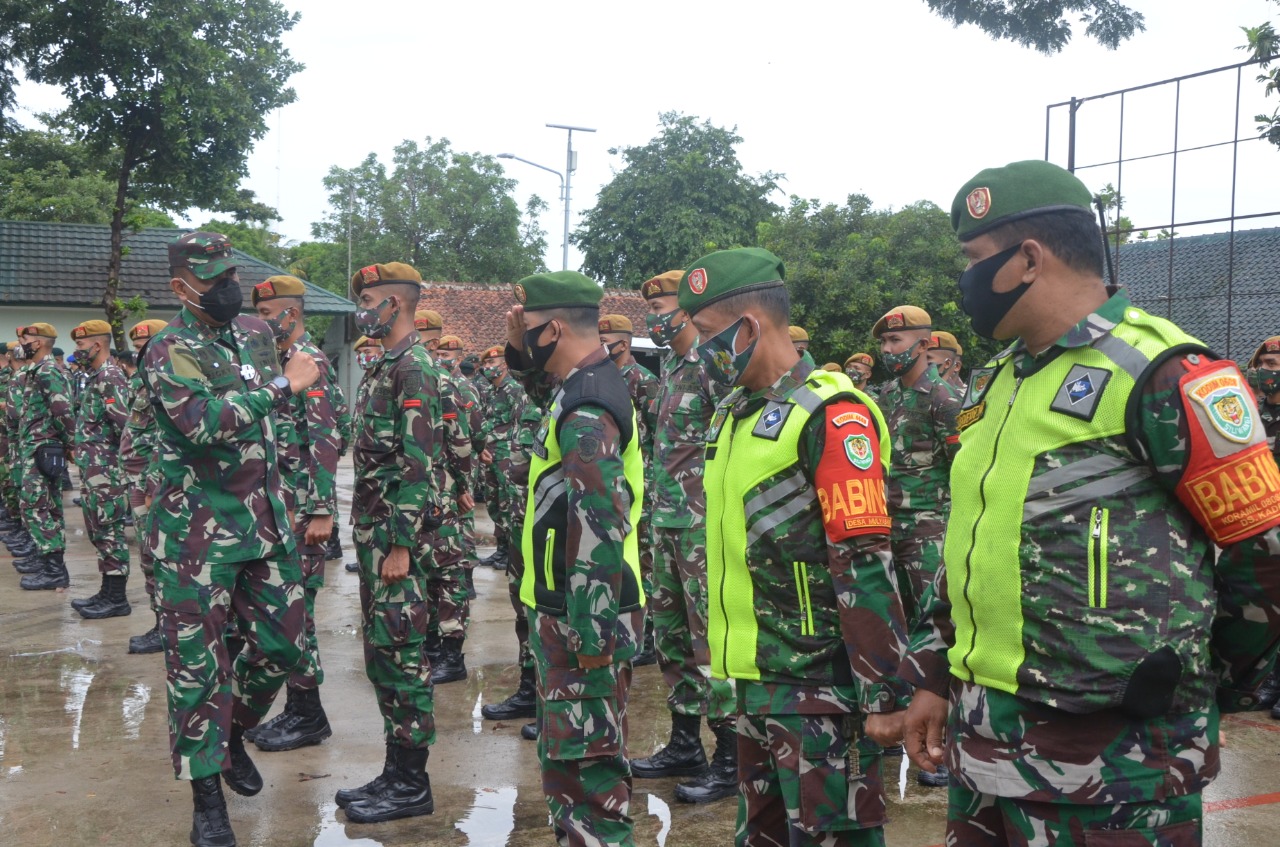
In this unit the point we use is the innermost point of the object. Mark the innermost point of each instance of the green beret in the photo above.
(728, 272)
(557, 290)
(998, 196)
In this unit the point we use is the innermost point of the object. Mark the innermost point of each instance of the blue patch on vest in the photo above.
(1080, 389)
(769, 424)
(1080, 392)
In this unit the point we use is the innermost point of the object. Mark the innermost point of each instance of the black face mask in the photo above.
(983, 305)
(540, 353)
(222, 302)
(278, 329)
(616, 349)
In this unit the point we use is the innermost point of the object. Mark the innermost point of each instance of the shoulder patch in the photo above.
(849, 477)
(772, 419)
(979, 379)
(1221, 401)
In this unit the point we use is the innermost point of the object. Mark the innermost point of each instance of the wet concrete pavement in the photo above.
(84, 754)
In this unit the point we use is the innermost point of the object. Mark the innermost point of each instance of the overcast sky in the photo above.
(883, 99)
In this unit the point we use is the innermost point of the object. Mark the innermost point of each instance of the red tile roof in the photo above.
(477, 313)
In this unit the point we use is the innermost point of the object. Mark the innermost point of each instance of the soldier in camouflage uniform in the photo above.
(443, 549)
(510, 423)
(800, 341)
(43, 434)
(582, 580)
(312, 434)
(946, 354)
(137, 446)
(1264, 377)
(217, 525)
(101, 417)
(920, 408)
(858, 368)
(368, 353)
(685, 402)
(805, 613)
(10, 519)
(17, 541)
(1084, 635)
(398, 415)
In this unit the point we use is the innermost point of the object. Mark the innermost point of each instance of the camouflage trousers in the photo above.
(808, 780)
(515, 572)
(206, 693)
(103, 502)
(440, 554)
(141, 529)
(916, 539)
(984, 820)
(394, 625)
(582, 746)
(41, 501)
(309, 675)
(8, 481)
(502, 504)
(678, 605)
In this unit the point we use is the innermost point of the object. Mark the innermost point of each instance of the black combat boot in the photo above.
(649, 651)
(529, 732)
(33, 563)
(488, 560)
(352, 567)
(498, 561)
(149, 642)
(305, 725)
(333, 549)
(451, 665)
(683, 755)
(89, 601)
(721, 779)
(522, 704)
(9, 524)
(210, 825)
(346, 796)
(406, 792)
(934, 780)
(290, 706)
(241, 773)
(112, 604)
(20, 544)
(52, 575)
(1269, 693)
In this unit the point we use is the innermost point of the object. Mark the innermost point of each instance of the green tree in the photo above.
(173, 94)
(1119, 226)
(1044, 25)
(1262, 44)
(676, 198)
(848, 265)
(449, 214)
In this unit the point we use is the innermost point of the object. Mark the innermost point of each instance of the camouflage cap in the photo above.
(831, 366)
(615, 323)
(278, 286)
(661, 285)
(497, 351)
(146, 329)
(942, 340)
(557, 290)
(860, 359)
(1271, 345)
(365, 341)
(997, 196)
(425, 320)
(89, 329)
(797, 333)
(385, 274)
(206, 254)
(42, 330)
(726, 273)
(450, 342)
(902, 318)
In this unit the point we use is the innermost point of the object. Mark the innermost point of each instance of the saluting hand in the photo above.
(301, 371)
(516, 327)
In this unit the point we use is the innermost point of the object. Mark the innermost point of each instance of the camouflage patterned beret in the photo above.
(206, 254)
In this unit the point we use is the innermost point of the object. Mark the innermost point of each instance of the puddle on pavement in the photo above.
(333, 832)
(477, 719)
(134, 708)
(75, 682)
(659, 809)
(491, 819)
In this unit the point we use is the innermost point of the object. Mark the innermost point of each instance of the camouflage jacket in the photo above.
(44, 408)
(453, 460)
(399, 416)
(922, 423)
(101, 418)
(829, 625)
(312, 437)
(501, 418)
(6, 378)
(138, 444)
(12, 411)
(1270, 415)
(219, 497)
(684, 406)
(643, 386)
(1225, 605)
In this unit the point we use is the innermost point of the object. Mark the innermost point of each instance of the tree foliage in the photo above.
(848, 265)
(1263, 44)
(449, 214)
(1044, 25)
(676, 198)
(172, 94)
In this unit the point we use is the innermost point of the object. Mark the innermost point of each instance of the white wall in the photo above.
(63, 320)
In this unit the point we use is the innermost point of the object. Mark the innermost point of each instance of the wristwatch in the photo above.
(282, 382)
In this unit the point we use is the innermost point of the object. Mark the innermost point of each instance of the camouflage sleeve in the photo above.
(58, 389)
(925, 664)
(324, 443)
(184, 396)
(341, 411)
(1235, 484)
(599, 506)
(409, 497)
(116, 397)
(946, 437)
(457, 438)
(859, 556)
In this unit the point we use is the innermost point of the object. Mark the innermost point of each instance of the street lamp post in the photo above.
(563, 195)
(570, 165)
